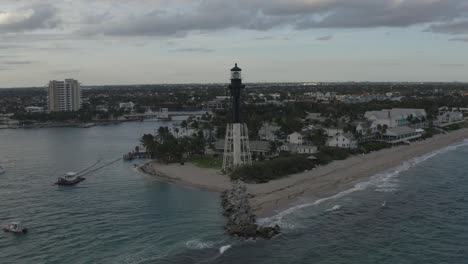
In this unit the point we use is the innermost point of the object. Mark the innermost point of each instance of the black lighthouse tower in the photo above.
(236, 143)
(236, 88)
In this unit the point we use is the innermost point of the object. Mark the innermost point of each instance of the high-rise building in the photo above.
(64, 96)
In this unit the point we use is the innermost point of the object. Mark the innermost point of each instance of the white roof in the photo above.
(395, 113)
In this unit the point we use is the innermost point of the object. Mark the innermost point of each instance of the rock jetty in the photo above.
(241, 220)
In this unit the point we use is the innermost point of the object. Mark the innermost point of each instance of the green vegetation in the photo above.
(167, 148)
(265, 171)
(207, 162)
(454, 127)
(329, 154)
(374, 146)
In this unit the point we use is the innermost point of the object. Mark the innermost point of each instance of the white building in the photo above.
(333, 131)
(127, 105)
(298, 149)
(346, 140)
(449, 117)
(296, 138)
(64, 96)
(395, 117)
(366, 128)
(268, 131)
(34, 109)
(401, 134)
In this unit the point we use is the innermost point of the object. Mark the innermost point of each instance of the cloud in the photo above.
(458, 27)
(64, 72)
(165, 19)
(177, 18)
(464, 39)
(384, 64)
(18, 62)
(197, 50)
(328, 37)
(39, 16)
(452, 65)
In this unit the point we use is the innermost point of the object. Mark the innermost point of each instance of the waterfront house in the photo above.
(298, 149)
(365, 128)
(449, 117)
(333, 131)
(396, 117)
(401, 134)
(346, 140)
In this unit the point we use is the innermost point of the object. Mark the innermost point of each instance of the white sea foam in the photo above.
(334, 208)
(198, 244)
(224, 249)
(383, 181)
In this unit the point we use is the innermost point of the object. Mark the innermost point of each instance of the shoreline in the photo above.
(322, 182)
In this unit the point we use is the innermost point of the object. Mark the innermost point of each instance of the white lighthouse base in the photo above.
(236, 147)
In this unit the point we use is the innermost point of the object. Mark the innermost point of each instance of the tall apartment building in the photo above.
(64, 96)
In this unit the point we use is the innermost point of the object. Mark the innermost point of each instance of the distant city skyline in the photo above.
(112, 42)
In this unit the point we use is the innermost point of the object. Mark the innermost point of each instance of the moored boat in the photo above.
(15, 228)
(70, 178)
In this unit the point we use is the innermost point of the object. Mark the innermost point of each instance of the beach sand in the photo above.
(324, 181)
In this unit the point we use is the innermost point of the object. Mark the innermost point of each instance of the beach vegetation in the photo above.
(207, 162)
(329, 154)
(165, 147)
(265, 171)
(374, 146)
(456, 126)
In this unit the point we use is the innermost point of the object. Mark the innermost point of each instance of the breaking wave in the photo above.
(384, 182)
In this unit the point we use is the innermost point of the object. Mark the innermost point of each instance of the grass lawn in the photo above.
(208, 162)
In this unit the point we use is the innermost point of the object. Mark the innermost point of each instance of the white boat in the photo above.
(70, 178)
(87, 125)
(164, 114)
(16, 228)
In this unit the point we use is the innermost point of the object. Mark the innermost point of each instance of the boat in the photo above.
(2, 170)
(16, 228)
(70, 178)
(87, 125)
(163, 115)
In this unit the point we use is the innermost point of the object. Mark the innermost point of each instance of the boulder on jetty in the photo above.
(241, 220)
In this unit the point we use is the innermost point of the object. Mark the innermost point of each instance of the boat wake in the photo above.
(384, 182)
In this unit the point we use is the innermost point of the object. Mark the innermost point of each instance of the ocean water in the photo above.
(416, 213)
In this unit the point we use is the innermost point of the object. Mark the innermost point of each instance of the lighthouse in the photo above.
(236, 144)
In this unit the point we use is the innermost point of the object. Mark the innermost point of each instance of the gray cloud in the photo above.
(196, 50)
(454, 65)
(464, 39)
(39, 16)
(261, 15)
(63, 72)
(18, 62)
(458, 27)
(389, 64)
(328, 37)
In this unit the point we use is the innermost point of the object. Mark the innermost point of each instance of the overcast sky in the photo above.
(180, 41)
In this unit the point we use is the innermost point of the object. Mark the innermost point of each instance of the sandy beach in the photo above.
(324, 181)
